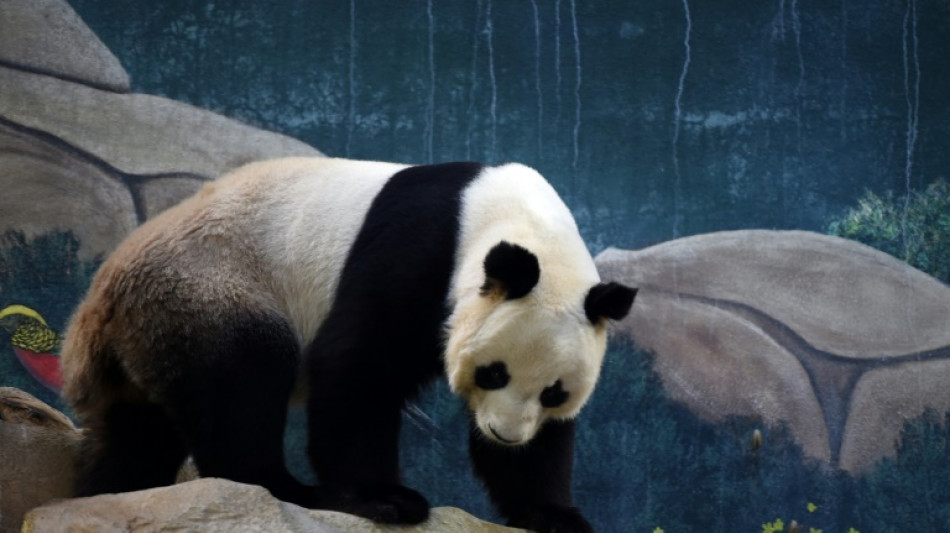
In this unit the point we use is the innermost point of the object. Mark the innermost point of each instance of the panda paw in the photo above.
(391, 504)
(552, 519)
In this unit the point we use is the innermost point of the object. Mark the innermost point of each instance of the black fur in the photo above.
(608, 300)
(554, 396)
(232, 433)
(202, 406)
(134, 446)
(382, 339)
(530, 484)
(512, 269)
(493, 376)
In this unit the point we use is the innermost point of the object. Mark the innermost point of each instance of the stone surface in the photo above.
(48, 37)
(137, 134)
(838, 341)
(38, 447)
(76, 155)
(217, 505)
(42, 181)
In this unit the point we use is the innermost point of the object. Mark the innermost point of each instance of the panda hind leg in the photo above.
(131, 445)
(233, 409)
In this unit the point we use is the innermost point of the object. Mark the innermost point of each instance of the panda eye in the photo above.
(491, 377)
(554, 396)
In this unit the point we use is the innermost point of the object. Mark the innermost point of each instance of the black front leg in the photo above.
(531, 485)
(354, 448)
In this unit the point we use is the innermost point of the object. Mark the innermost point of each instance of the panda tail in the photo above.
(92, 374)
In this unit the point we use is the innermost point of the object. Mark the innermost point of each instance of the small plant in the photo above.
(778, 526)
(914, 228)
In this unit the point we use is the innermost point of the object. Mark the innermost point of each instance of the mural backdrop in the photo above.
(767, 376)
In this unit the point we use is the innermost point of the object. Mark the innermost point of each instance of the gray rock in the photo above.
(38, 446)
(48, 37)
(74, 157)
(38, 449)
(48, 187)
(840, 342)
(137, 134)
(217, 505)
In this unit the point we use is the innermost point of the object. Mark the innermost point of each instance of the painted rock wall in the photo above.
(70, 129)
(840, 342)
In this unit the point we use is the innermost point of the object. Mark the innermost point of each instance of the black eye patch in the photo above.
(491, 377)
(554, 396)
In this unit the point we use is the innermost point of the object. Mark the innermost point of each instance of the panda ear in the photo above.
(510, 270)
(608, 300)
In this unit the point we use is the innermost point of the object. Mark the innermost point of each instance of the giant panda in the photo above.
(354, 283)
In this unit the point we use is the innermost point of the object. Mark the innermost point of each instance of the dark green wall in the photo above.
(776, 115)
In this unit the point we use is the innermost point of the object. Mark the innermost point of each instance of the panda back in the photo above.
(311, 216)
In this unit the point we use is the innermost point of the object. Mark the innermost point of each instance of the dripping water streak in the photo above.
(677, 115)
(843, 105)
(493, 107)
(537, 77)
(430, 104)
(557, 59)
(912, 97)
(351, 79)
(476, 42)
(577, 83)
(778, 24)
(800, 84)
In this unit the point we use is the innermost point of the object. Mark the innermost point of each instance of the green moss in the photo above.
(914, 228)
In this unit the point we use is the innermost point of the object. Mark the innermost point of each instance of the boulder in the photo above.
(48, 187)
(218, 505)
(137, 134)
(38, 446)
(838, 341)
(48, 37)
(80, 154)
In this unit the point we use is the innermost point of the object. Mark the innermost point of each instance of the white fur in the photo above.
(542, 337)
(311, 210)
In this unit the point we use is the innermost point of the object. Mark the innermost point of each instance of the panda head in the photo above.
(528, 346)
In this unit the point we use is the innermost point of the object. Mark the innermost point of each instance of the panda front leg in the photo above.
(354, 448)
(531, 484)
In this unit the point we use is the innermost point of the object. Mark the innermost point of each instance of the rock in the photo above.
(19, 407)
(137, 134)
(48, 37)
(159, 193)
(840, 342)
(218, 505)
(42, 181)
(38, 446)
(84, 158)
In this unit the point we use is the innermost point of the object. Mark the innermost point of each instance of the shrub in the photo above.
(914, 228)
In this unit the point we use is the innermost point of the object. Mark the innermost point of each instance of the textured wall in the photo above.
(655, 118)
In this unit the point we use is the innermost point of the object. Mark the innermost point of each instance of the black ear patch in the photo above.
(511, 270)
(608, 300)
